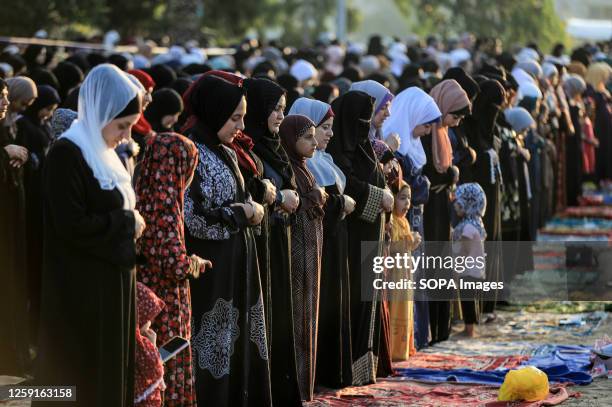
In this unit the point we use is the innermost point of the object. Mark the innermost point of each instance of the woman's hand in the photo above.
(416, 237)
(18, 155)
(455, 172)
(139, 224)
(147, 332)
(322, 193)
(387, 201)
(198, 266)
(270, 193)
(472, 154)
(291, 200)
(393, 141)
(349, 204)
(247, 209)
(258, 213)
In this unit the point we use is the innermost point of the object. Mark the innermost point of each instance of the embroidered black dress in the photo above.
(228, 331)
(352, 152)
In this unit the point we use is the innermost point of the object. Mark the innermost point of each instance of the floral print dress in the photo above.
(168, 163)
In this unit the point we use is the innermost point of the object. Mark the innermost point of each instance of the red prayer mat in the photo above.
(389, 393)
(440, 361)
(589, 212)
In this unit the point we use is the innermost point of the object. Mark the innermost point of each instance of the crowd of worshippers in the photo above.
(225, 201)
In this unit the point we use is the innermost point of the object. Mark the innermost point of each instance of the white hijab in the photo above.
(303, 70)
(105, 92)
(410, 108)
(522, 77)
(322, 165)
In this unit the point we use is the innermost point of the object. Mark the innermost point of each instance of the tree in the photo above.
(24, 18)
(514, 21)
(226, 20)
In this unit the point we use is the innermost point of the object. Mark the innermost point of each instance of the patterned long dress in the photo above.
(229, 341)
(306, 250)
(168, 162)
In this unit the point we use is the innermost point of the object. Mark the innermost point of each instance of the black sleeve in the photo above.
(367, 197)
(4, 164)
(334, 206)
(108, 236)
(234, 218)
(256, 188)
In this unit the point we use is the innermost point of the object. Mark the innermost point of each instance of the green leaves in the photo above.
(514, 21)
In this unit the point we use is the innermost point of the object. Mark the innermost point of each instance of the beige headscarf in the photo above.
(598, 74)
(450, 97)
(21, 88)
(577, 68)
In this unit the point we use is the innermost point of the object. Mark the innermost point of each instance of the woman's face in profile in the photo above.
(421, 130)
(118, 130)
(234, 125)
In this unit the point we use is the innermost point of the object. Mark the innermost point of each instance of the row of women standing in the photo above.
(235, 195)
(254, 206)
(277, 204)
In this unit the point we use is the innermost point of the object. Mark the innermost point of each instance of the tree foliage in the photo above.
(227, 20)
(514, 21)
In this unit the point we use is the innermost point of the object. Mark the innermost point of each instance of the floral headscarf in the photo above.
(472, 199)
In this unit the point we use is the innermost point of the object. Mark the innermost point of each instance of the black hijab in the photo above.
(47, 96)
(480, 125)
(31, 54)
(352, 73)
(69, 76)
(469, 85)
(163, 75)
(323, 92)
(262, 97)
(165, 102)
(119, 61)
(180, 85)
(43, 76)
(80, 60)
(291, 130)
(212, 101)
(15, 61)
(351, 147)
(353, 112)
(94, 59)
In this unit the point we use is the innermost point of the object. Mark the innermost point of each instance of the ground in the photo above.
(515, 329)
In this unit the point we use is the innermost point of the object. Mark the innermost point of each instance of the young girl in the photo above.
(468, 240)
(400, 302)
(149, 372)
(297, 135)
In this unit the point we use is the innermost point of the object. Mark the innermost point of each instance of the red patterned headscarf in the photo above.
(242, 144)
(143, 126)
(168, 163)
(149, 372)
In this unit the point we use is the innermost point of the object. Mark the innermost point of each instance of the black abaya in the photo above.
(283, 363)
(437, 228)
(353, 154)
(88, 317)
(13, 296)
(229, 333)
(334, 343)
(36, 137)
